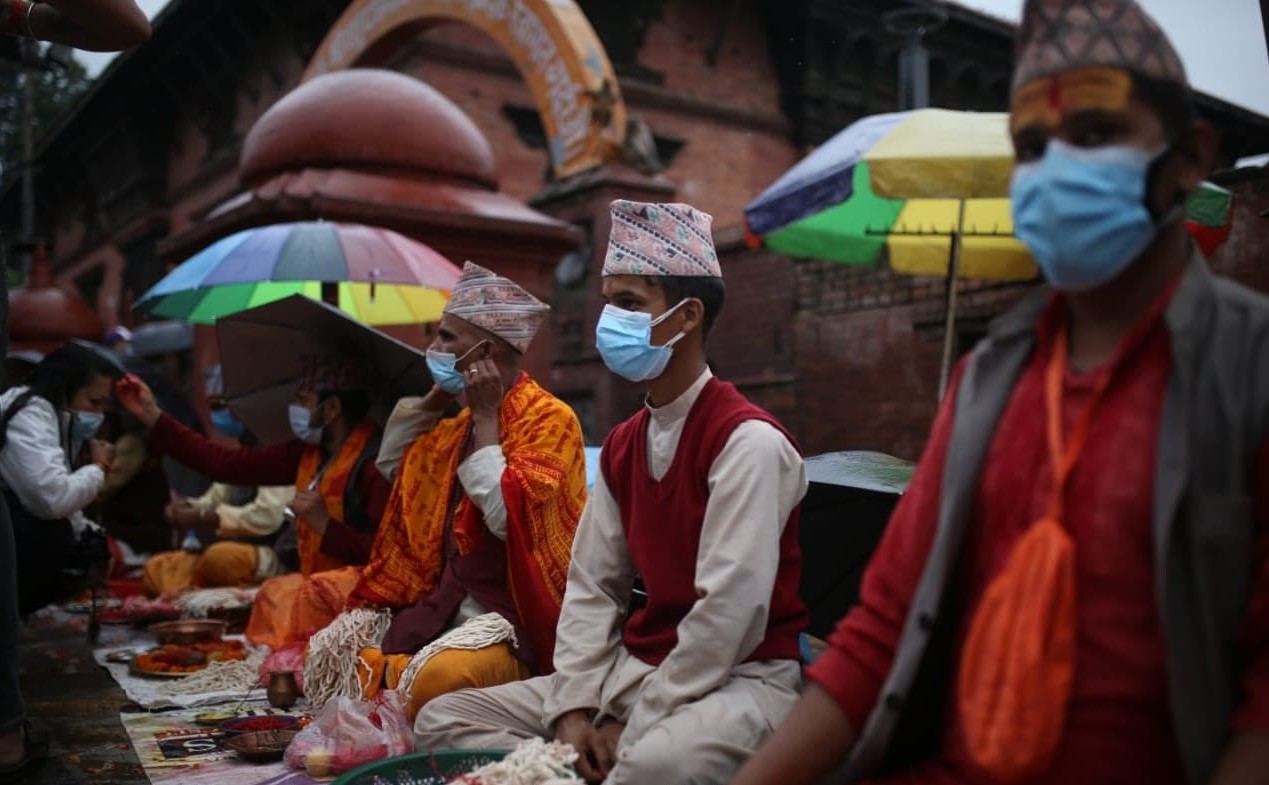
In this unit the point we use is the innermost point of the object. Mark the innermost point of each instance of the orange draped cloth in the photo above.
(448, 671)
(543, 489)
(291, 607)
(331, 486)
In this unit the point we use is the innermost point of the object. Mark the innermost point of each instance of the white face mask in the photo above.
(83, 426)
(302, 424)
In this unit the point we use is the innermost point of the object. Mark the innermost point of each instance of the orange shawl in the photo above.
(543, 488)
(332, 486)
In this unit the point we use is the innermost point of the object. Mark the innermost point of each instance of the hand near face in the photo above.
(484, 388)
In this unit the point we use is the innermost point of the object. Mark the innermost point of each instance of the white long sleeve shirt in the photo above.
(34, 465)
(755, 483)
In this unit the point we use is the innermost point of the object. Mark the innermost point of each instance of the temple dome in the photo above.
(384, 121)
(42, 315)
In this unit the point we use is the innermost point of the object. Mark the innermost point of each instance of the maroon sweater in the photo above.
(276, 464)
(662, 521)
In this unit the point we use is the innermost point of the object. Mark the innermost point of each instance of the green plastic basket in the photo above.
(421, 768)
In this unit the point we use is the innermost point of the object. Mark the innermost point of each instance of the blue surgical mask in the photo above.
(1082, 212)
(444, 367)
(226, 423)
(624, 340)
(302, 424)
(83, 426)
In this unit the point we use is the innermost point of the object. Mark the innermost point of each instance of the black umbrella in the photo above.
(844, 514)
(262, 352)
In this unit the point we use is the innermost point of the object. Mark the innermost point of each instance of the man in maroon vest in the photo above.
(697, 498)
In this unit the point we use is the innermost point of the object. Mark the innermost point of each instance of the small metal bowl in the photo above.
(183, 633)
(261, 746)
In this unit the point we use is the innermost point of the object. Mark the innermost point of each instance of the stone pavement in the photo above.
(80, 704)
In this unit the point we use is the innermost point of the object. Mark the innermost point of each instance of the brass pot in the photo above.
(283, 691)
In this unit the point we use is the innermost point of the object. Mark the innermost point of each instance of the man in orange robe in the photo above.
(339, 501)
(473, 553)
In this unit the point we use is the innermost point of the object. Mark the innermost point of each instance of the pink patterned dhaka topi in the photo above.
(661, 240)
(497, 304)
(1064, 35)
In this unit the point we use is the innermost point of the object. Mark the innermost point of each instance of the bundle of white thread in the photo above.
(333, 659)
(533, 762)
(486, 630)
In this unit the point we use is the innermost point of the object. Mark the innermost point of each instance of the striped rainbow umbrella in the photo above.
(378, 276)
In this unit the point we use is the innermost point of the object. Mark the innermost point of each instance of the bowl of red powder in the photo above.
(258, 724)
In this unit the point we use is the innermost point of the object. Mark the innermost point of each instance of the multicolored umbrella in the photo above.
(378, 276)
(829, 206)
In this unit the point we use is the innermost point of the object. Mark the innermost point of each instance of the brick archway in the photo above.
(550, 41)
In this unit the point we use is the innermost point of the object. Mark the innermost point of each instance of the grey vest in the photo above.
(1215, 414)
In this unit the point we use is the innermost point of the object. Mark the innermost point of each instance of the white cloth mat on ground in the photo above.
(151, 693)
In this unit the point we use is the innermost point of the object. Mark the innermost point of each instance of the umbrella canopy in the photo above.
(381, 277)
(920, 154)
(835, 204)
(1208, 216)
(262, 352)
(869, 471)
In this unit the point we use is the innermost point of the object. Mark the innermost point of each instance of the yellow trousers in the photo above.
(222, 564)
(448, 671)
(290, 608)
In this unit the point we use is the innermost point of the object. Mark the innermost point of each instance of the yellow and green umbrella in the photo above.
(828, 206)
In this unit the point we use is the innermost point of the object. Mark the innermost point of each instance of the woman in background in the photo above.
(42, 426)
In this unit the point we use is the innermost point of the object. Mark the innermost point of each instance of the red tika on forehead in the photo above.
(1043, 102)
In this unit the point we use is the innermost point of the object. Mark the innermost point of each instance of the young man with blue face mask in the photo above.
(1075, 586)
(697, 497)
(246, 521)
(339, 494)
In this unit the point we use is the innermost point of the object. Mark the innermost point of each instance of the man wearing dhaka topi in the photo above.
(697, 497)
(1075, 586)
(463, 587)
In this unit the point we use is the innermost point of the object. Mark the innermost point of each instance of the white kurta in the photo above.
(695, 717)
(33, 464)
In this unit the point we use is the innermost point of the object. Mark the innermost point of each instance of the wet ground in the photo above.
(80, 704)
